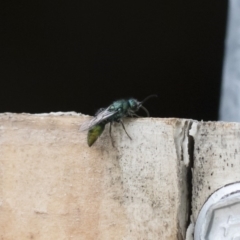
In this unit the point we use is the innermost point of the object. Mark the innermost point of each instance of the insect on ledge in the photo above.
(113, 113)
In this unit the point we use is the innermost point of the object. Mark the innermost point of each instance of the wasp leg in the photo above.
(146, 111)
(110, 133)
(124, 129)
(133, 115)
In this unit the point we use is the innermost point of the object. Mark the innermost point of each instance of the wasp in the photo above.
(114, 113)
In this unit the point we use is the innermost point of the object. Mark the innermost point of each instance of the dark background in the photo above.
(81, 55)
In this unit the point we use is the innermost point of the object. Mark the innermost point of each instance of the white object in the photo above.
(220, 216)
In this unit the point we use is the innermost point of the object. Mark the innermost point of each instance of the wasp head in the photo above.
(134, 104)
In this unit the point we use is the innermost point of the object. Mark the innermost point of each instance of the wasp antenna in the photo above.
(145, 110)
(145, 99)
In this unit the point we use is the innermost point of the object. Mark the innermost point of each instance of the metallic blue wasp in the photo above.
(114, 113)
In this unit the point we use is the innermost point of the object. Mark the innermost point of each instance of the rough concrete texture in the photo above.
(216, 160)
(53, 186)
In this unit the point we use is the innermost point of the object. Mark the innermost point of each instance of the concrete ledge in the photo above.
(53, 186)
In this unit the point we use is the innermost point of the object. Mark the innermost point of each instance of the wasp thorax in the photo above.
(112, 107)
(134, 104)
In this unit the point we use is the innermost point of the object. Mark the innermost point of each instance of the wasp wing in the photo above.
(100, 117)
(85, 126)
